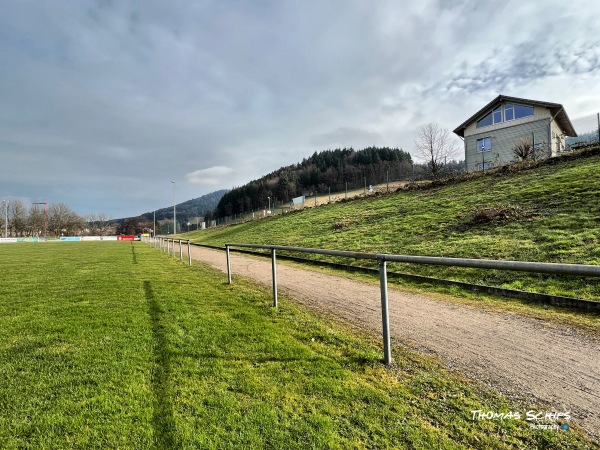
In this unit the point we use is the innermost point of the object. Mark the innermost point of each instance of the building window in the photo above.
(484, 145)
(492, 118)
(487, 120)
(523, 111)
(505, 113)
(509, 111)
(497, 114)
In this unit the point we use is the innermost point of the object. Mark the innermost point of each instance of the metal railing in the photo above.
(520, 266)
(167, 245)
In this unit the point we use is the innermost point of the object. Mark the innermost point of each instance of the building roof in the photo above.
(556, 109)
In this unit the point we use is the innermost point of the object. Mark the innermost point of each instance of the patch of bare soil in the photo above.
(519, 356)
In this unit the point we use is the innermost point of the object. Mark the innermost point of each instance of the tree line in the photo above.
(58, 220)
(323, 171)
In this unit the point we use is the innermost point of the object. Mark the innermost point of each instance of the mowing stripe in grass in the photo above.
(163, 420)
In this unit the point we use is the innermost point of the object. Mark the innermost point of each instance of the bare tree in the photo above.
(63, 220)
(134, 226)
(35, 221)
(434, 145)
(3, 213)
(92, 223)
(103, 222)
(17, 217)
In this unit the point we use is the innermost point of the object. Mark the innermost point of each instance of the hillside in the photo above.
(189, 209)
(549, 213)
(329, 169)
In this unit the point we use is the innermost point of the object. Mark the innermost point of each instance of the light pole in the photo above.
(174, 211)
(269, 205)
(154, 222)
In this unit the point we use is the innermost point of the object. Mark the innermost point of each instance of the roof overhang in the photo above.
(556, 109)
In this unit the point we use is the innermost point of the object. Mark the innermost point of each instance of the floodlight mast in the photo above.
(174, 211)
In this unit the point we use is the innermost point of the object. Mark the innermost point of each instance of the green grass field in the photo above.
(116, 345)
(550, 213)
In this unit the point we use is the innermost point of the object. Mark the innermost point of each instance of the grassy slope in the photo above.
(115, 345)
(558, 220)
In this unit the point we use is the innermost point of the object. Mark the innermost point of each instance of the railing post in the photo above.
(228, 265)
(189, 254)
(180, 251)
(385, 318)
(274, 270)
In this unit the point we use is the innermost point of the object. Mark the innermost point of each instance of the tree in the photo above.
(103, 223)
(135, 226)
(35, 221)
(61, 219)
(17, 217)
(434, 145)
(98, 223)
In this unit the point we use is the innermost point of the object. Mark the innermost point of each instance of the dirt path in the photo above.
(516, 355)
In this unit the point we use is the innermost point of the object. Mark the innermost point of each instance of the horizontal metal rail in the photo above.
(520, 266)
(382, 258)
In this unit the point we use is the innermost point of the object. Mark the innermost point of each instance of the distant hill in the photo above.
(190, 209)
(329, 169)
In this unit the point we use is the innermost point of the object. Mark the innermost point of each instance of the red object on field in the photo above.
(125, 238)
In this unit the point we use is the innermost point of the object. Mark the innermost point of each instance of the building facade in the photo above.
(492, 133)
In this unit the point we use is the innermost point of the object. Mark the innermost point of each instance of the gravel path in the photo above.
(517, 355)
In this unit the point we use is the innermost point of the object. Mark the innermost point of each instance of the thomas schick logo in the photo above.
(541, 420)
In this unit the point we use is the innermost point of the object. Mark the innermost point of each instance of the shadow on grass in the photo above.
(163, 420)
(133, 255)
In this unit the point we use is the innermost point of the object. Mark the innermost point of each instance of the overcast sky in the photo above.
(103, 104)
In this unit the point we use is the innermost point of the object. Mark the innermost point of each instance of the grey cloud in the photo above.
(210, 176)
(123, 99)
(346, 137)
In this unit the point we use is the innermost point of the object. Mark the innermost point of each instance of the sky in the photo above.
(103, 104)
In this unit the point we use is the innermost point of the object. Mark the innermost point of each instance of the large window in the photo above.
(523, 111)
(509, 111)
(493, 117)
(505, 113)
(484, 145)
